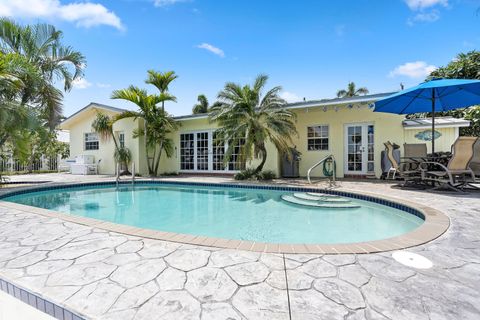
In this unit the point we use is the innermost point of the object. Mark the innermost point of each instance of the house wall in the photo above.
(83, 124)
(388, 127)
(443, 143)
(173, 163)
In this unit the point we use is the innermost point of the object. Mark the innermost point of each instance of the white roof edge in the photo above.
(87, 107)
(441, 122)
(310, 104)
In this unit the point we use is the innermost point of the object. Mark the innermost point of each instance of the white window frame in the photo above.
(121, 139)
(90, 141)
(311, 138)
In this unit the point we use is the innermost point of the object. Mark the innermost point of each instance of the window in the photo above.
(121, 139)
(91, 141)
(317, 137)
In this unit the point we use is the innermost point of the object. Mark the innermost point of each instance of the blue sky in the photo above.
(310, 48)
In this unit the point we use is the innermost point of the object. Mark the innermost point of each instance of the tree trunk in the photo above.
(158, 161)
(146, 147)
(264, 159)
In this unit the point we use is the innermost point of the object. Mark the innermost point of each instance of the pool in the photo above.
(247, 213)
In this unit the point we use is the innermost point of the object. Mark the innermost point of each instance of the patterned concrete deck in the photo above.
(106, 275)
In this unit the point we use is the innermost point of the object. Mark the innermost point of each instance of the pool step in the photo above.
(325, 195)
(320, 198)
(317, 204)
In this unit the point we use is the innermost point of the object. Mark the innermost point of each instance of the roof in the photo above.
(442, 122)
(89, 106)
(296, 105)
(312, 103)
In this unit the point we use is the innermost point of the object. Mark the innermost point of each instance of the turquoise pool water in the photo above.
(231, 213)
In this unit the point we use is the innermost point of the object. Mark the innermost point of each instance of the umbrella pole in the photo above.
(433, 122)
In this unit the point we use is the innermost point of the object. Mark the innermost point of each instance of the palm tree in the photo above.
(202, 106)
(161, 80)
(15, 118)
(103, 125)
(157, 123)
(42, 47)
(244, 115)
(351, 91)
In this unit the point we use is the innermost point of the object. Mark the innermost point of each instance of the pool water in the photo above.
(223, 212)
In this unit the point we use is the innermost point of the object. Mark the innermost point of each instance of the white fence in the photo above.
(8, 164)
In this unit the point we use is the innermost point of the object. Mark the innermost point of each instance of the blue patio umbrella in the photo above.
(436, 95)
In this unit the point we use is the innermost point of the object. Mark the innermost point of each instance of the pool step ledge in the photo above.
(320, 198)
(316, 204)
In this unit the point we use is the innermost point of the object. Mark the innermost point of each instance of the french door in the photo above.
(359, 148)
(203, 151)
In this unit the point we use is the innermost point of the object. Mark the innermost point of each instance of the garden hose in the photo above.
(329, 167)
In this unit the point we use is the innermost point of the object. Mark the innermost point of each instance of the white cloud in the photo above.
(103, 85)
(165, 3)
(83, 14)
(81, 83)
(424, 17)
(416, 69)
(423, 4)
(219, 52)
(289, 96)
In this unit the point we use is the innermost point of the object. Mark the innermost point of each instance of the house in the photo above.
(347, 128)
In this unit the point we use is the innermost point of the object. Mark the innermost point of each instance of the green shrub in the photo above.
(266, 175)
(249, 174)
(246, 174)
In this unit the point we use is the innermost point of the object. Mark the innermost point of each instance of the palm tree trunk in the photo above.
(158, 161)
(146, 146)
(264, 159)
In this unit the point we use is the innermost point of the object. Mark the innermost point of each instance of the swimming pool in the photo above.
(253, 214)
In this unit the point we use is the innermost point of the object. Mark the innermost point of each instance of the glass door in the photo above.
(359, 149)
(202, 151)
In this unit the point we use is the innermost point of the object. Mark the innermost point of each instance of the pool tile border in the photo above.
(37, 302)
(435, 222)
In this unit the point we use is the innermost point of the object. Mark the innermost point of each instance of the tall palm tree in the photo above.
(246, 115)
(157, 123)
(351, 91)
(203, 106)
(162, 80)
(42, 46)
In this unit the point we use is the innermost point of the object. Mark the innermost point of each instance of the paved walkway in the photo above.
(106, 275)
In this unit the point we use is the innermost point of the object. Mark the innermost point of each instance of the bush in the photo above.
(246, 174)
(266, 175)
(249, 174)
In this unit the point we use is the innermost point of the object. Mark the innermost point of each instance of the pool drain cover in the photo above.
(411, 259)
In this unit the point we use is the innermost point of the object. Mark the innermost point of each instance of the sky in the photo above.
(310, 48)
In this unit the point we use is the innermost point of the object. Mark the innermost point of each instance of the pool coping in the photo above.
(435, 222)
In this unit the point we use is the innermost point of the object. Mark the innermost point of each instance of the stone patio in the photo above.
(107, 275)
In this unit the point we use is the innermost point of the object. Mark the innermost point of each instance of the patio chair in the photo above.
(401, 169)
(417, 152)
(475, 163)
(457, 174)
